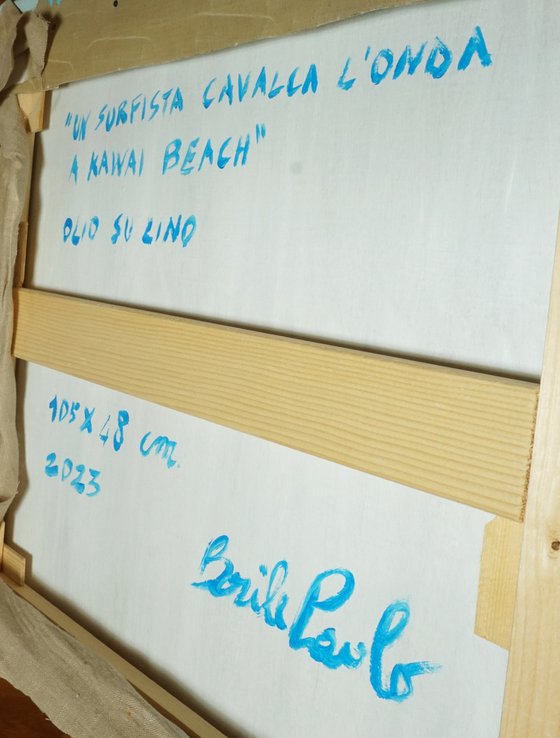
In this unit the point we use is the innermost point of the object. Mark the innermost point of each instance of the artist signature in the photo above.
(270, 602)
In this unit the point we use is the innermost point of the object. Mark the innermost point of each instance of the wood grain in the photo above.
(98, 37)
(32, 106)
(532, 703)
(23, 233)
(497, 585)
(184, 716)
(462, 435)
(13, 565)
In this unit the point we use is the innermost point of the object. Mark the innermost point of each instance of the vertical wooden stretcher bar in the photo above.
(532, 698)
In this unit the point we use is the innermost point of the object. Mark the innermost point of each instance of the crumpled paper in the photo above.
(23, 36)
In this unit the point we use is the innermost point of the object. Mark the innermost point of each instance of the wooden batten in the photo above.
(98, 37)
(497, 584)
(531, 704)
(13, 565)
(458, 434)
(32, 105)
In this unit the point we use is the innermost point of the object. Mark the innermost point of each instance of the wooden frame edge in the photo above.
(126, 36)
(12, 563)
(531, 706)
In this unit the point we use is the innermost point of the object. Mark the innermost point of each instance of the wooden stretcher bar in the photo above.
(461, 435)
(102, 36)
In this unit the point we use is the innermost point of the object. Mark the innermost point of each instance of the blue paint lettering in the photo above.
(121, 228)
(227, 91)
(110, 119)
(141, 107)
(173, 157)
(291, 87)
(176, 229)
(384, 59)
(88, 419)
(438, 68)
(311, 81)
(222, 158)
(121, 113)
(134, 165)
(76, 232)
(64, 410)
(266, 84)
(74, 169)
(138, 102)
(241, 151)
(406, 58)
(229, 582)
(242, 86)
(147, 237)
(186, 167)
(73, 410)
(177, 103)
(260, 131)
(391, 626)
(104, 164)
(322, 648)
(79, 129)
(275, 88)
(343, 83)
(161, 446)
(206, 99)
(93, 168)
(116, 163)
(475, 45)
(165, 97)
(260, 84)
(208, 153)
(101, 116)
(51, 470)
(154, 106)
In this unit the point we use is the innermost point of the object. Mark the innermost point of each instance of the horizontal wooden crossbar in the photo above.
(462, 435)
(100, 37)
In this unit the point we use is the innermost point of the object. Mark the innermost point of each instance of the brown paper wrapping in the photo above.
(15, 167)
